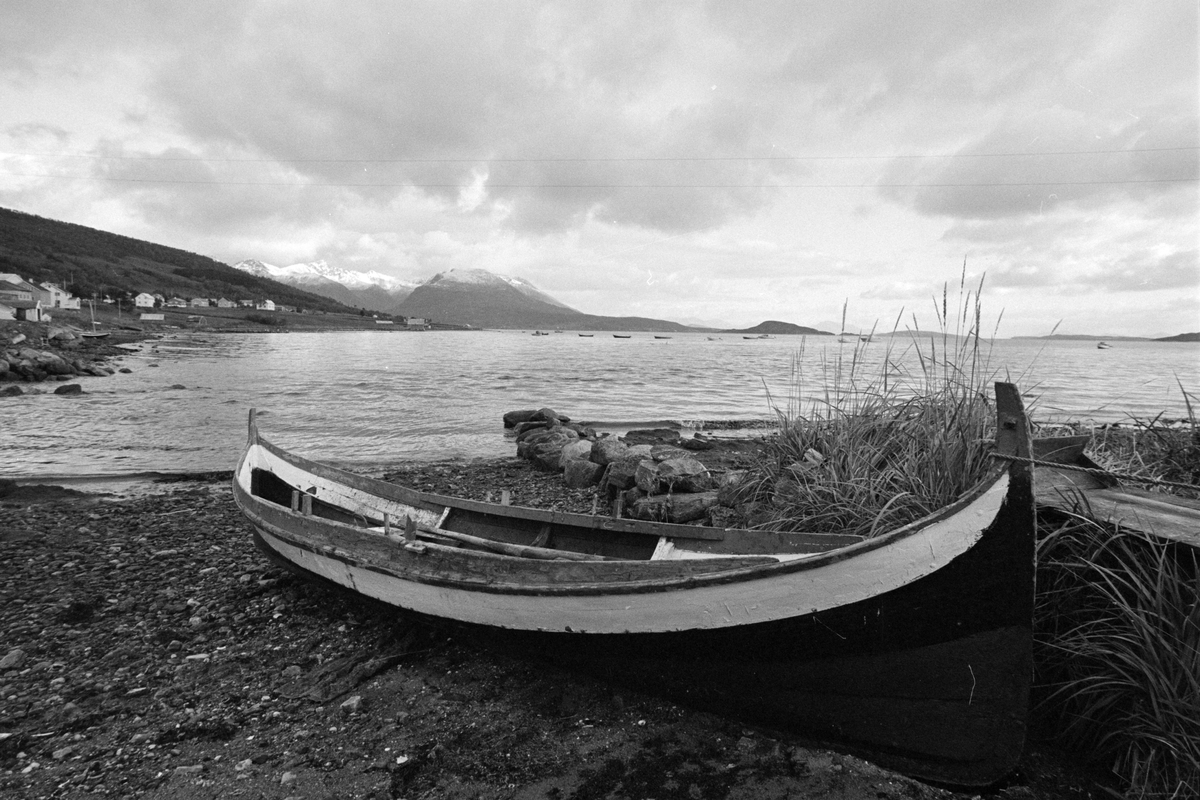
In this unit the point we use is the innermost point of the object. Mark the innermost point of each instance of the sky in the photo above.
(717, 163)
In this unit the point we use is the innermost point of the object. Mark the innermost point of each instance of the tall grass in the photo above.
(871, 449)
(1118, 651)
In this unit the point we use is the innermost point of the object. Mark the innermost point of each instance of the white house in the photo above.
(223, 303)
(176, 302)
(14, 287)
(54, 297)
(416, 322)
(265, 305)
(144, 300)
(201, 302)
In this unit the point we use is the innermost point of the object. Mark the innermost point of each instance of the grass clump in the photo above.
(875, 449)
(1117, 627)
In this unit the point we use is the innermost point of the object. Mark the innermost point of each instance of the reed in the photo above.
(874, 448)
(1117, 632)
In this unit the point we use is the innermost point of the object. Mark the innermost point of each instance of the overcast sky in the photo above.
(719, 163)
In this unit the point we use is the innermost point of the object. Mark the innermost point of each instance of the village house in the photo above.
(417, 322)
(176, 302)
(245, 303)
(54, 297)
(19, 299)
(144, 300)
(223, 303)
(201, 302)
(265, 305)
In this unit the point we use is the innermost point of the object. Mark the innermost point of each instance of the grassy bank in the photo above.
(1117, 627)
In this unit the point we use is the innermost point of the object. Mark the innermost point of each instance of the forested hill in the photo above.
(88, 262)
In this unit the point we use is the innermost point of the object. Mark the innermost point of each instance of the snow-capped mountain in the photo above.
(371, 290)
(463, 279)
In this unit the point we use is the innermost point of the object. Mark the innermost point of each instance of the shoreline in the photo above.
(161, 663)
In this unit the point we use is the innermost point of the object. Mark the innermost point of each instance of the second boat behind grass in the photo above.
(911, 648)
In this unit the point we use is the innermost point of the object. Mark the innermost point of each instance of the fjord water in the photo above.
(371, 399)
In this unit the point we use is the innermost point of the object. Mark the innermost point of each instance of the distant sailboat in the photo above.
(95, 334)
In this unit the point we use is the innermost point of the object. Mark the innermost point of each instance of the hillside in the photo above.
(776, 328)
(482, 299)
(90, 262)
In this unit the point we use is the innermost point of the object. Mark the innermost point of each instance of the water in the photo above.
(369, 399)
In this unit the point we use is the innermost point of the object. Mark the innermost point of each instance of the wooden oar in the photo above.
(505, 548)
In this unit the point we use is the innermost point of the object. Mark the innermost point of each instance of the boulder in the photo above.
(684, 474)
(524, 427)
(60, 335)
(607, 450)
(11, 391)
(544, 448)
(579, 473)
(679, 508)
(619, 476)
(662, 452)
(652, 436)
(580, 450)
(514, 418)
(639, 451)
(69, 388)
(697, 442)
(678, 474)
(548, 415)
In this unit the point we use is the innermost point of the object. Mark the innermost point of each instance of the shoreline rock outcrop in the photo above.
(647, 474)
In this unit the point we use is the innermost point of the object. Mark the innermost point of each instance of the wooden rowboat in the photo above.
(911, 648)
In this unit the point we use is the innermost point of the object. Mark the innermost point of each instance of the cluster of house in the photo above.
(23, 300)
(147, 300)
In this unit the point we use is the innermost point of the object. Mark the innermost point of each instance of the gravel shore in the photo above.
(150, 650)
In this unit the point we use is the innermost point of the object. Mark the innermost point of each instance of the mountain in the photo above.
(774, 327)
(370, 290)
(483, 299)
(88, 262)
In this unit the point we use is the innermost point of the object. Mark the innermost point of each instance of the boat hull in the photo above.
(912, 649)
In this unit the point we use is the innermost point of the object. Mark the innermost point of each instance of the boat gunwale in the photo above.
(768, 569)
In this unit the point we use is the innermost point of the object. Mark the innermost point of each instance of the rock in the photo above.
(684, 474)
(639, 451)
(620, 475)
(548, 415)
(125, 370)
(352, 706)
(187, 771)
(11, 391)
(14, 659)
(521, 428)
(677, 508)
(581, 450)
(292, 672)
(60, 335)
(69, 389)
(662, 452)
(287, 779)
(514, 418)
(607, 450)
(652, 436)
(544, 448)
(697, 442)
(3, 366)
(62, 753)
(646, 476)
(579, 473)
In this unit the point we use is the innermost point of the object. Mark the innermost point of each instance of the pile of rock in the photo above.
(20, 361)
(662, 482)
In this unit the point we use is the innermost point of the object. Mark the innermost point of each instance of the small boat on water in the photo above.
(622, 336)
(662, 337)
(911, 648)
(94, 334)
(540, 333)
(1103, 346)
(586, 335)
